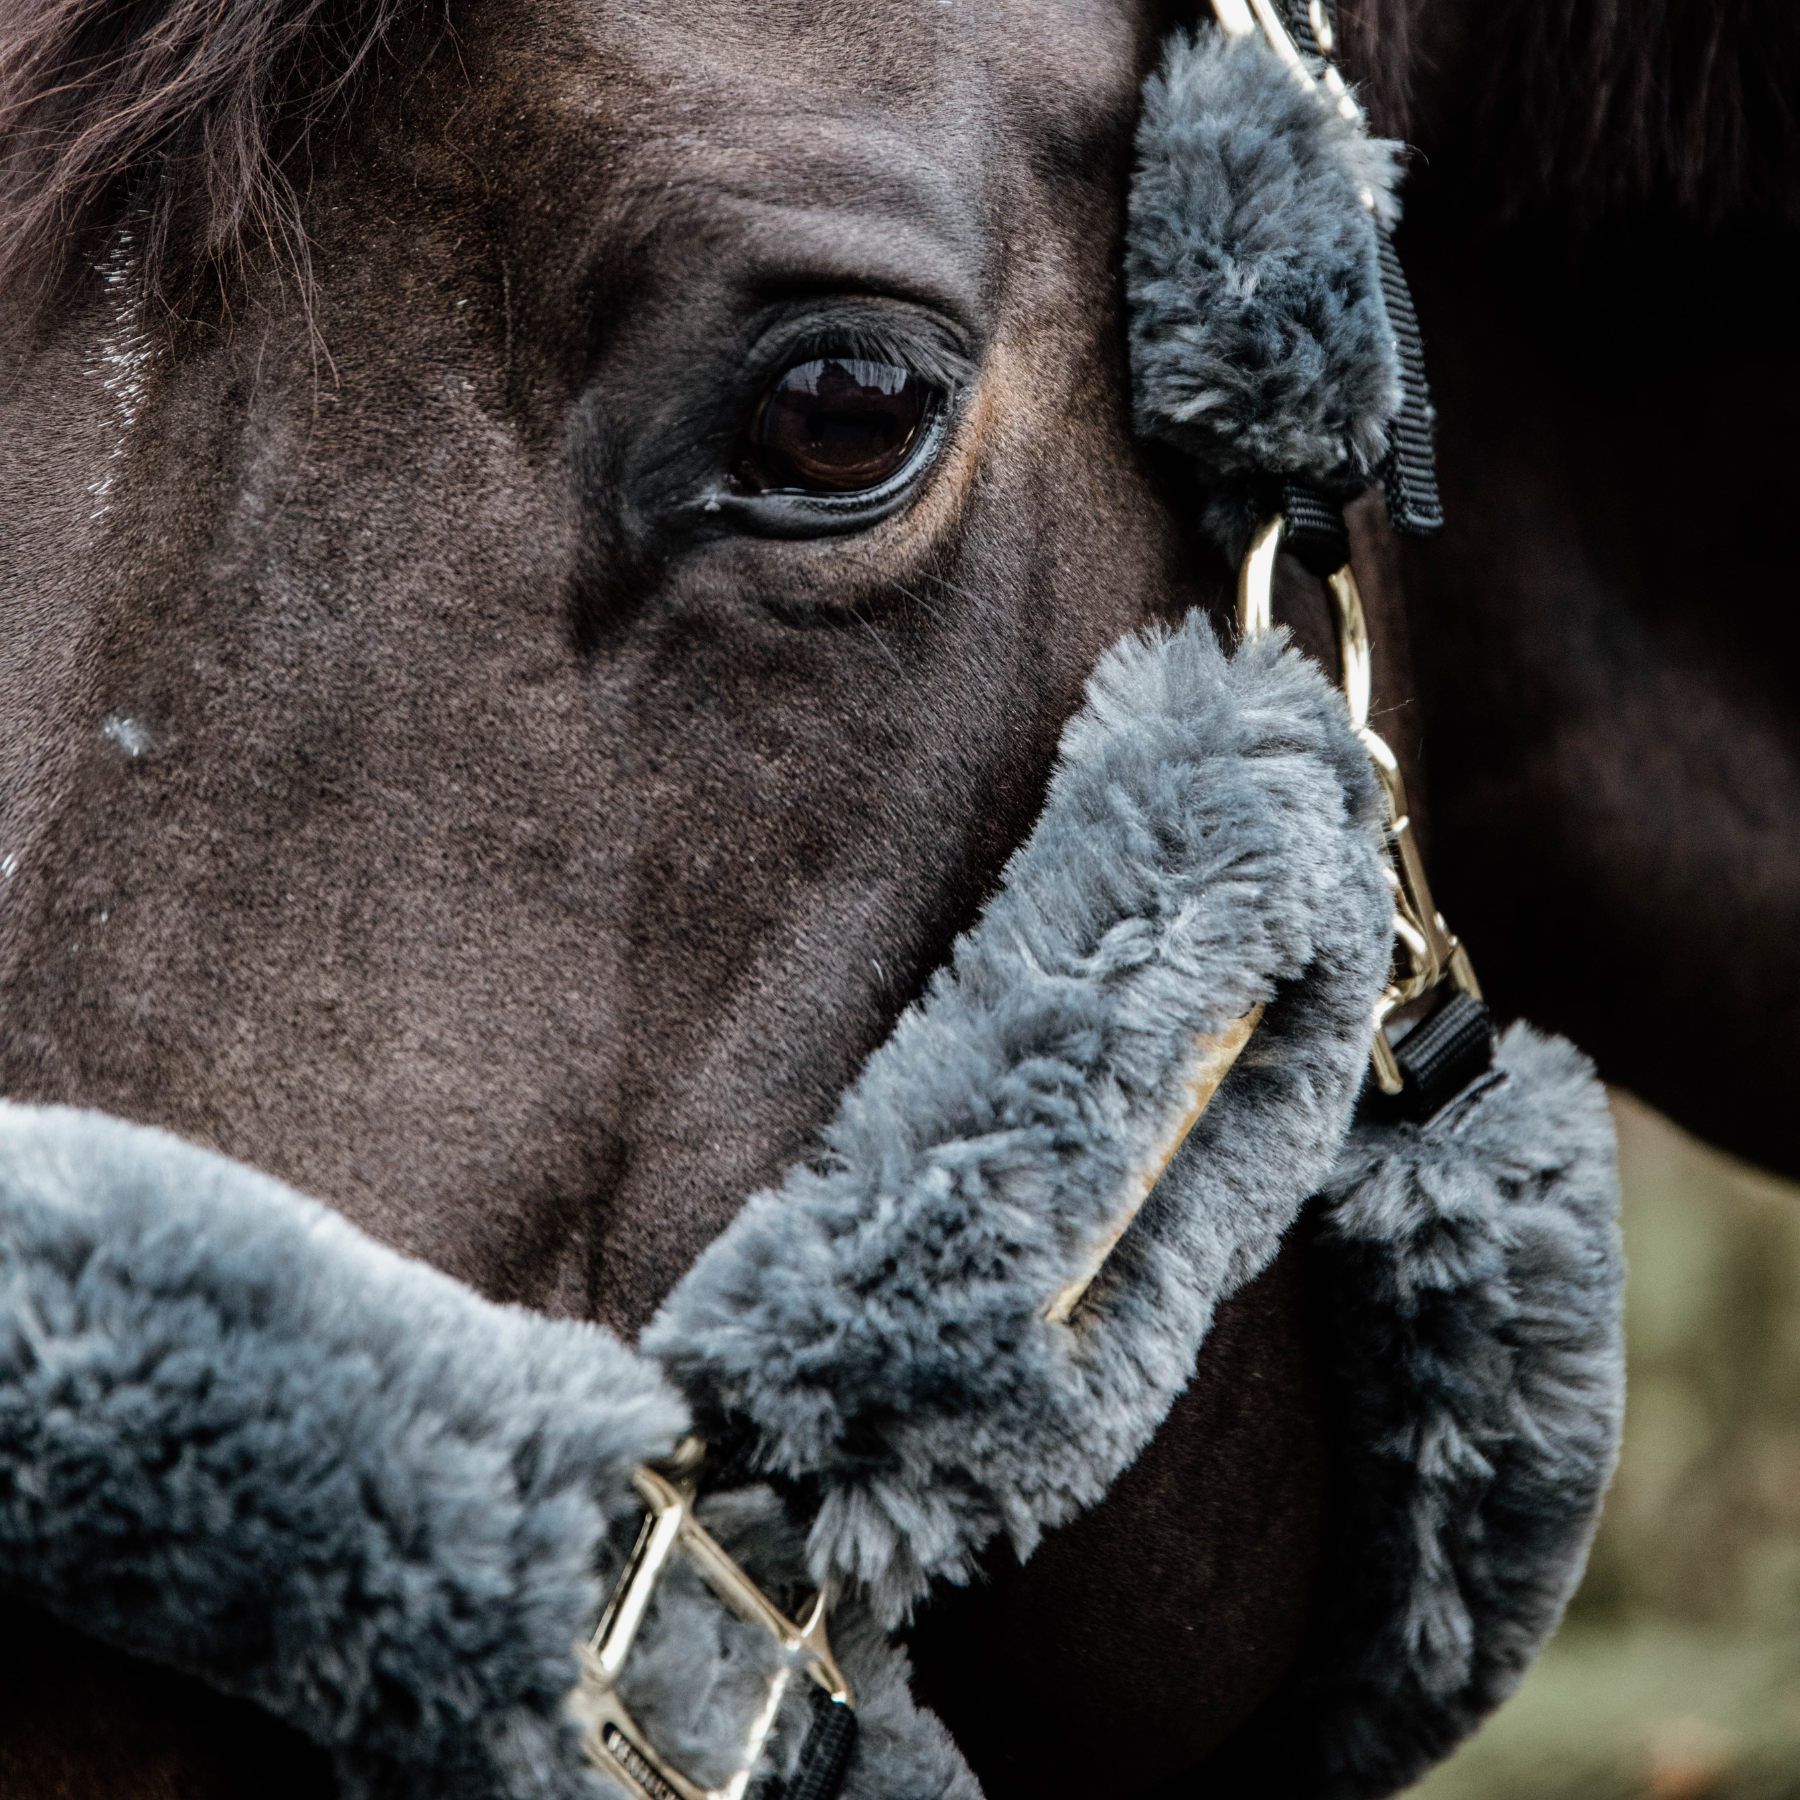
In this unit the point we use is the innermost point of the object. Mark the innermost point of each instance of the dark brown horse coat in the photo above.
(403, 795)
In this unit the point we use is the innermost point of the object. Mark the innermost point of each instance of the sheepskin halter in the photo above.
(240, 1438)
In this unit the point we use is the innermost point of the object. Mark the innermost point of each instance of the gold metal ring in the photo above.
(1249, 18)
(1427, 952)
(1256, 581)
(1353, 645)
(612, 1739)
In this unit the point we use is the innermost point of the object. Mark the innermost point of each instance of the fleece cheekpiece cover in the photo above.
(238, 1437)
(1260, 338)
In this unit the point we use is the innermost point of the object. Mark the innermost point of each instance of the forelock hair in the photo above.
(198, 116)
(194, 115)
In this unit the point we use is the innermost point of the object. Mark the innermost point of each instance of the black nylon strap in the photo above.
(1409, 471)
(824, 1757)
(1409, 474)
(1313, 528)
(1299, 24)
(1441, 1056)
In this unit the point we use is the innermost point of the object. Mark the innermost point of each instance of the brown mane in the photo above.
(1610, 106)
(196, 112)
(1378, 55)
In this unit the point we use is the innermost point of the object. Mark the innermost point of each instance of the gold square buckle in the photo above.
(613, 1740)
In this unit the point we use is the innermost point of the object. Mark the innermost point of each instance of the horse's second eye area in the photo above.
(835, 425)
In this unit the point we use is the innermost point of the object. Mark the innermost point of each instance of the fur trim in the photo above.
(1209, 842)
(1477, 1287)
(240, 1438)
(1260, 341)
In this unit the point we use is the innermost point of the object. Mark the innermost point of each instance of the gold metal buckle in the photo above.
(613, 1740)
(1430, 951)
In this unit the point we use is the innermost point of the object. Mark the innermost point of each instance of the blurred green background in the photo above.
(1676, 1675)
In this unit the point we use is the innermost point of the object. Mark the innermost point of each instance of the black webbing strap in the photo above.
(824, 1757)
(1443, 1055)
(1313, 528)
(1300, 26)
(1409, 471)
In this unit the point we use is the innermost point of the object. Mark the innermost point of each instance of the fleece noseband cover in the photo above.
(1262, 341)
(239, 1438)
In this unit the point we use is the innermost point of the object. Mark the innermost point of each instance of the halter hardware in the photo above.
(613, 1740)
(1245, 18)
(1430, 951)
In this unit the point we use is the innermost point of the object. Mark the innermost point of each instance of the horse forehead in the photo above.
(885, 100)
(918, 54)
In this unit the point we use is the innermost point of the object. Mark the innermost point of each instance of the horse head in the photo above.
(495, 741)
(549, 552)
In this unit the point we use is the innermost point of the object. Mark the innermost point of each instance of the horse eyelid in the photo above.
(922, 341)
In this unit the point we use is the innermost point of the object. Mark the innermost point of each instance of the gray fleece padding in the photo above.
(240, 1438)
(1260, 341)
(1209, 842)
(1476, 1287)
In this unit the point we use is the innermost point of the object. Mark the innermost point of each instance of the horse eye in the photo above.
(834, 426)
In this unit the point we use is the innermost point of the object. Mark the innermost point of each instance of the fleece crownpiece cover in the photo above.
(239, 1438)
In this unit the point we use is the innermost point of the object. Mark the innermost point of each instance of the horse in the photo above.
(438, 774)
